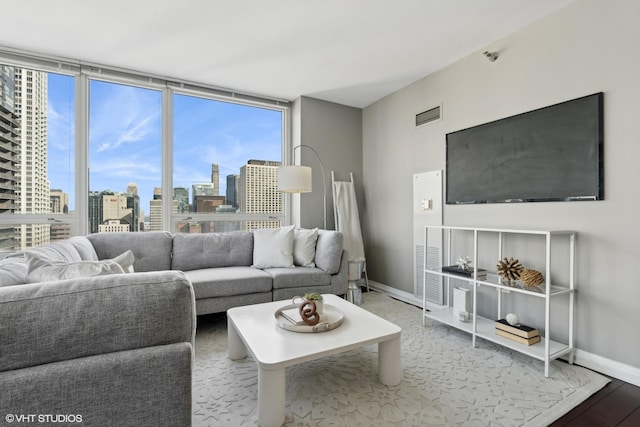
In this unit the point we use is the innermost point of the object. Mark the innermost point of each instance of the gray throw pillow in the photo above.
(40, 269)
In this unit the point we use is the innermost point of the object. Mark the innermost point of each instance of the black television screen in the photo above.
(550, 154)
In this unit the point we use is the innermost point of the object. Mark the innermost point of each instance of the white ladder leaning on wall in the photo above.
(347, 219)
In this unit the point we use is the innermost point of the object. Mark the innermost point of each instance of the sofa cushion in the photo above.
(56, 251)
(40, 269)
(207, 250)
(13, 271)
(152, 250)
(299, 276)
(304, 247)
(273, 247)
(225, 281)
(329, 250)
(84, 248)
(70, 319)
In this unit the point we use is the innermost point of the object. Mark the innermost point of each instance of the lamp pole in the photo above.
(324, 180)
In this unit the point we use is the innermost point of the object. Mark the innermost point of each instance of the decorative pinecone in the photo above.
(509, 269)
(531, 277)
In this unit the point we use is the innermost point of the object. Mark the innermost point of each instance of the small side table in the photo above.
(354, 293)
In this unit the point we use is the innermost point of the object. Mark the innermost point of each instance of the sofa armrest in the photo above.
(340, 280)
(62, 320)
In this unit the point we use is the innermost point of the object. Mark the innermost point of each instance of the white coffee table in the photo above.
(254, 328)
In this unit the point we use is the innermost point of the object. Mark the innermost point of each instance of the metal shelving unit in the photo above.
(548, 349)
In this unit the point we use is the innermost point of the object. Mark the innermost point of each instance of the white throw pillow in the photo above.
(42, 269)
(126, 260)
(304, 247)
(273, 247)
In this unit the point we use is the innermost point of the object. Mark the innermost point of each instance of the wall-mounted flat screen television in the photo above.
(554, 153)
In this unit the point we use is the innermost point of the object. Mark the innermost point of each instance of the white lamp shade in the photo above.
(294, 179)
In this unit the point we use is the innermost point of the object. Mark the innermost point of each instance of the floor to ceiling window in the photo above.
(225, 161)
(90, 149)
(37, 155)
(125, 158)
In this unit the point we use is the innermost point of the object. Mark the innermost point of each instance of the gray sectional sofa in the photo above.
(117, 349)
(219, 265)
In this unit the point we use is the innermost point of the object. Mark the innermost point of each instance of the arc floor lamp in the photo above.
(297, 179)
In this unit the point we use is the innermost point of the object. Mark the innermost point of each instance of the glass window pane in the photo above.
(225, 158)
(125, 158)
(37, 149)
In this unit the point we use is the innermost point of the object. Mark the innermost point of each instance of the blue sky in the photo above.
(125, 134)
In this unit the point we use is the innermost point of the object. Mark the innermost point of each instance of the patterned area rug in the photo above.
(445, 382)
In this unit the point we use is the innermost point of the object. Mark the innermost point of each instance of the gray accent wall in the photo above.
(590, 46)
(335, 133)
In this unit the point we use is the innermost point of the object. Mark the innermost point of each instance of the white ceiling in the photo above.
(352, 52)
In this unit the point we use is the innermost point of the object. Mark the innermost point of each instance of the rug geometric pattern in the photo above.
(445, 381)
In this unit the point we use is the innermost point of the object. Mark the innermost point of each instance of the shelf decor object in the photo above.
(531, 277)
(464, 262)
(479, 325)
(454, 269)
(509, 269)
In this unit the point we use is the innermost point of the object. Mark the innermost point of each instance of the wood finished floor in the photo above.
(617, 404)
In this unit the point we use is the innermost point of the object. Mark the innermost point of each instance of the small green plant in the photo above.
(313, 296)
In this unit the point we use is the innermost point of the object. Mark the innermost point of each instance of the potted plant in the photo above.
(317, 299)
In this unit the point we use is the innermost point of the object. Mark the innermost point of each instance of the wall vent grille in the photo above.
(428, 116)
(419, 279)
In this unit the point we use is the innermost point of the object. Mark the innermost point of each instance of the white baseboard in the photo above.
(611, 368)
(621, 371)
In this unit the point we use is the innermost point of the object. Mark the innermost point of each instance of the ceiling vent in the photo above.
(428, 116)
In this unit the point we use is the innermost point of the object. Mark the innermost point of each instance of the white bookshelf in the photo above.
(480, 327)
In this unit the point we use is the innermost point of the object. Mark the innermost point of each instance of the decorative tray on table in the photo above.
(330, 318)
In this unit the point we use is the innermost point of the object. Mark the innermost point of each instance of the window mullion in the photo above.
(167, 159)
(82, 153)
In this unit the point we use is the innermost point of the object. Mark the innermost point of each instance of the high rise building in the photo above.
(133, 203)
(232, 190)
(95, 209)
(9, 158)
(215, 178)
(30, 105)
(258, 192)
(155, 210)
(114, 207)
(181, 196)
(114, 226)
(201, 192)
(59, 204)
(59, 201)
(208, 204)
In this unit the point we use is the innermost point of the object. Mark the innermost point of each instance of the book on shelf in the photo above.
(517, 338)
(519, 329)
(454, 269)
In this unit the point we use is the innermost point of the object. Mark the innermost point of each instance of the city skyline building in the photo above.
(181, 196)
(202, 191)
(30, 99)
(232, 189)
(133, 203)
(9, 154)
(25, 187)
(59, 205)
(258, 192)
(155, 210)
(215, 178)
